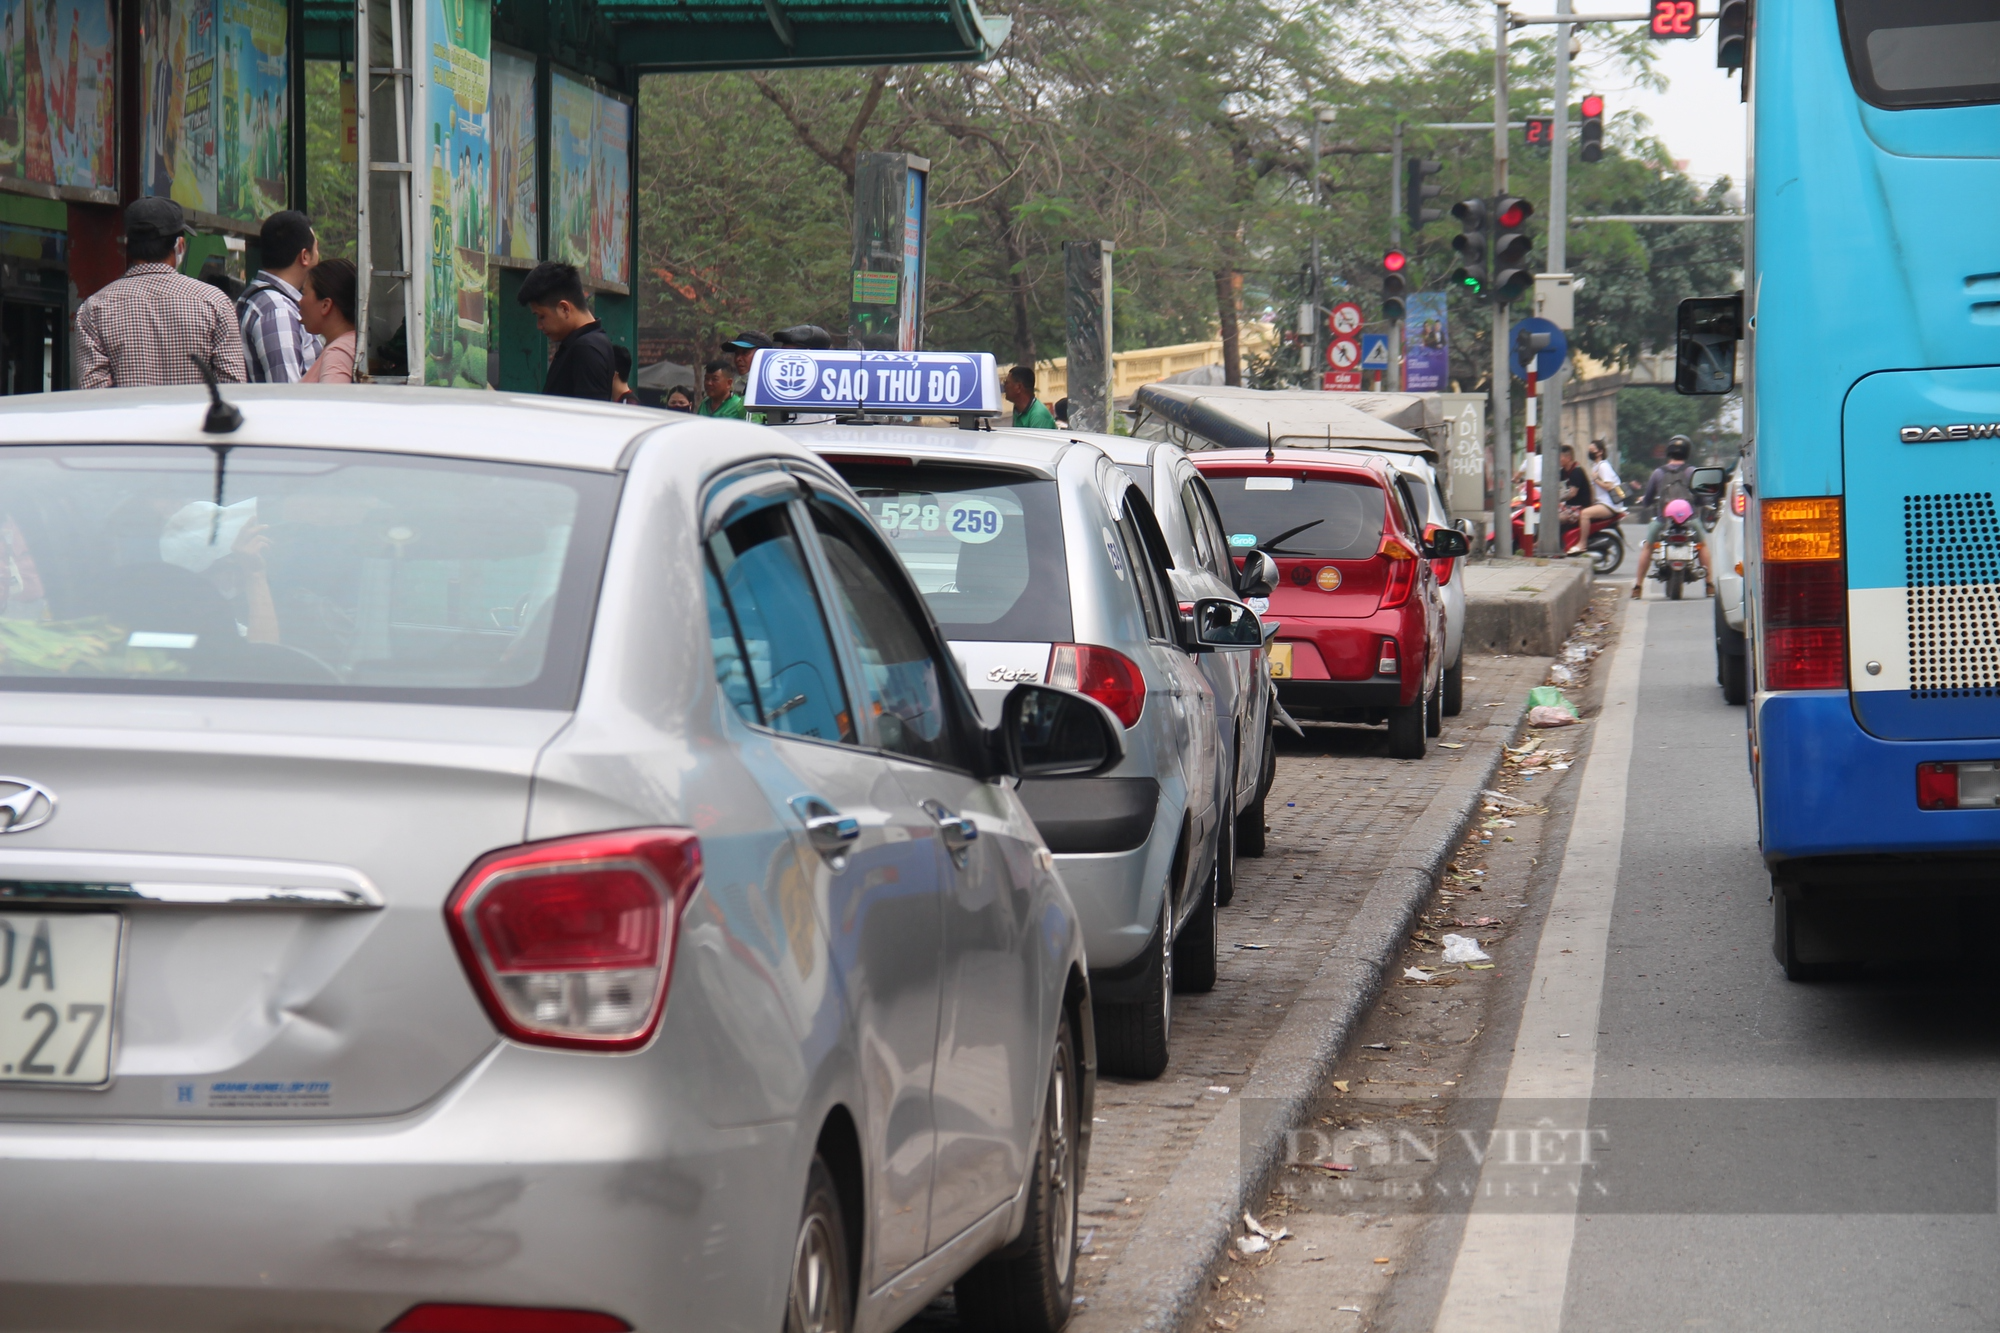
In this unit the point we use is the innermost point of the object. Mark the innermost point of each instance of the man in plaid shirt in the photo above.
(276, 346)
(142, 328)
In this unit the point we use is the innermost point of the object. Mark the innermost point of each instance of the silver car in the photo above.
(1242, 680)
(1042, 560)
(473, 863)
(1725, 545)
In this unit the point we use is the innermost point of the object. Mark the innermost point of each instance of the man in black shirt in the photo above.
(583, 365)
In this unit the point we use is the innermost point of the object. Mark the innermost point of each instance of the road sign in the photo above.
(1374, 351)
(1343, 354)
(1341, 381)
(1344, 319)
(1549, 360)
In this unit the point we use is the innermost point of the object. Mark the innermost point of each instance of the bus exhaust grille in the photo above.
(1951, 547)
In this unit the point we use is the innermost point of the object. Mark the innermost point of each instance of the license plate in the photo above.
(1281, 661)
(1680, 553)
(58, 997)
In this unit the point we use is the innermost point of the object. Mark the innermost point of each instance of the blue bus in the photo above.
(1870, 322)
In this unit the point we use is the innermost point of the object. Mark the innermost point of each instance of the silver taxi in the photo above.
(471, 862)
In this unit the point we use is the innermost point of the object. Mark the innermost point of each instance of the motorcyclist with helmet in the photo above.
(1671, 492)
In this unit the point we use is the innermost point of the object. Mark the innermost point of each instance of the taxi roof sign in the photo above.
(945, 384)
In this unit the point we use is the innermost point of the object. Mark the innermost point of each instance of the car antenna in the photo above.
(223, 418)
(1270, 445)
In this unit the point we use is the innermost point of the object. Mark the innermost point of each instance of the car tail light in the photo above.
(1388, 661)
(1442, 568)
(1739, 503)
(438, 1317)
(1104, 674)
(1804, 606)
(570, 943)
(1402, 571)
(1958, 786)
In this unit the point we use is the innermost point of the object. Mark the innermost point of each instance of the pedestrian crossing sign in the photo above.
(1374, 351)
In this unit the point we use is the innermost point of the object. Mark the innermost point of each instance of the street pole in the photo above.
(1558, 263)
(1312, 281)
(1503, 443)
(1396, 243)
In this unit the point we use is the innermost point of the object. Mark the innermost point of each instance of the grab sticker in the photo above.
(1242, 539)
(974, 521)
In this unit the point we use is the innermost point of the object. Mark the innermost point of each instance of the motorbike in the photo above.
(1677, 555)
(1607, 544)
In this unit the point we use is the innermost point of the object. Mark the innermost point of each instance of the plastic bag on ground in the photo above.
(1546, 716)
(1460, 949)
(1549, 696)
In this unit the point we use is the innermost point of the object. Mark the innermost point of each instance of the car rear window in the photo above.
(297, 573)
(1915, 53)
(1327, 518)
(984, 546)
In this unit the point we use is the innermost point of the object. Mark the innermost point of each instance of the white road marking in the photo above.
(1513, 1266)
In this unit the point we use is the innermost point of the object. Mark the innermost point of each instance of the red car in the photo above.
(1361, 620)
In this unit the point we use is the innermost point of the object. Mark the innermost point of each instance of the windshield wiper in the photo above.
(1271, 547)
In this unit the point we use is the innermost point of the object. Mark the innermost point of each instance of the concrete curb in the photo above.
(1533, 624)
(1167, 1262)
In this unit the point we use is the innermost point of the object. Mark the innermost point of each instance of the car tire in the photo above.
(1732, 661)
(1132, 1037)
(1454, 687)
(821, 1299)
(1197, 946)
(1434, 711)
(1250, 828)
(1029, 1287)
(1225, 853)
(1407, 729)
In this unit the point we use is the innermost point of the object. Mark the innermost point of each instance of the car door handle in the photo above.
(958, 832)
(830, 832)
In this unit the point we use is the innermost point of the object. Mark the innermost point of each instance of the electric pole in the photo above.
(1396, 243)
(1558, 263)
(1321, 117)
(1503, 442)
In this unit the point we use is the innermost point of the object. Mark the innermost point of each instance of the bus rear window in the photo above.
(1917, 53)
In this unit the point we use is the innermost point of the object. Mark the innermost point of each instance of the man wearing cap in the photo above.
(276, 347)
(743, 348)
(143, 328)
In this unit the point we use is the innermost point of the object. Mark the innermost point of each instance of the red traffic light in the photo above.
(1395, 261)
(1514, 212)
(1593, 106)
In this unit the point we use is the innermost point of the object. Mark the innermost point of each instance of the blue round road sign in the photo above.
(1549, 360)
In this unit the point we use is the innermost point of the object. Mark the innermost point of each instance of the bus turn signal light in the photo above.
(1806, 528)
(1804, 602)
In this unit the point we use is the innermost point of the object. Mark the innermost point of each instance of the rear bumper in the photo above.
(1348, 650)
(1828, 788)
(1330, 700)
(540, 1179)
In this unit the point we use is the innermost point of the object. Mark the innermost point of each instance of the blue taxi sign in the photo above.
(784, 379)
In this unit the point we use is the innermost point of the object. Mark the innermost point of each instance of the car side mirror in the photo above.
(1046, 732)
(1447, 544)
(1221, 623)
(1258, 576)
(1707, 482)
(1707, 329)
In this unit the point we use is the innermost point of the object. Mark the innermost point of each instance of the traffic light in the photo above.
(1592, 129)
(1417, 188)
(1674, 20)
(1732, 34)
(1513, 275)
(1471, 244)
(1393, 286)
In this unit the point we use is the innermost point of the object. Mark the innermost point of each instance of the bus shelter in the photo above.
(488, 135)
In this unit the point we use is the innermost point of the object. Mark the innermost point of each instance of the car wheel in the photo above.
(1195, 947)
(1132, 1037)
(1250, 824)
(1029, 1286)
(1225, 849)
(821, 1300)
(1454, 687)
(1434, 711)
(1735, 678)
(1406, 729)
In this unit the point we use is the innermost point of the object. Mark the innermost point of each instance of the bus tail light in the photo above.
(1104, 674)
(1804, 607)
(1958, 786)
(570, 942)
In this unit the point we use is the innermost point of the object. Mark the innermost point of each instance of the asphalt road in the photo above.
(1738, 1183)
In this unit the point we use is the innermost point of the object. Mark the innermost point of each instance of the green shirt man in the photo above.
(719, 389)
(1019, 389)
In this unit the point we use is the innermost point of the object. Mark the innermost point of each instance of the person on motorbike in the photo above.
(1667, 484)
(1581, 505)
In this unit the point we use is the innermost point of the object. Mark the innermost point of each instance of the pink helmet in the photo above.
(1679, 511)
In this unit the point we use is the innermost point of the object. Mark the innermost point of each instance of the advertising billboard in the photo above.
(58, 95)
(215, 129)
(510, 122)
(1427, 355)
(590, 181)
(460, 42)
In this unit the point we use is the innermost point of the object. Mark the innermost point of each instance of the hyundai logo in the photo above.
(24, 805)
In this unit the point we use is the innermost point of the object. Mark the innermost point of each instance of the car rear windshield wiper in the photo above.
(1272, 547)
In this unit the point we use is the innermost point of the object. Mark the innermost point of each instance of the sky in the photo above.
(1699, 116)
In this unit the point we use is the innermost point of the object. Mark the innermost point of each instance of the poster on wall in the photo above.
(510, 121)
(215, 80)
(460, 42)
(58, 93)
(1427, 358)
(612, 178)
